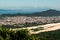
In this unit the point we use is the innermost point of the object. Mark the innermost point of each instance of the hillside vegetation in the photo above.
(6, 34)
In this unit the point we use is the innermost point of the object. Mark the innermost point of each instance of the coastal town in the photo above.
(24, 19)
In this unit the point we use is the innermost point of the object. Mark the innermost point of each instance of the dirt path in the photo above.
(47, 27)
(54, 27)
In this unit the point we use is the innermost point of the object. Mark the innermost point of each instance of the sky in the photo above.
(27, 4)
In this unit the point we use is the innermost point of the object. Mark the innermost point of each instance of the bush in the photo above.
(1, 38)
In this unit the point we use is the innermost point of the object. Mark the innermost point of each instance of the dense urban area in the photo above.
(25, 19)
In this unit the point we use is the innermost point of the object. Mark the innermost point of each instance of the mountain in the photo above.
(3, 11)
(49, 12)
(23, 11)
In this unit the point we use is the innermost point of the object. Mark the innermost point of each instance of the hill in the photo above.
(49, 12)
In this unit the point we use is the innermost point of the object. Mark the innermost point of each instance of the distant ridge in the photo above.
(49, 12)
(2, 10)
(22, 11)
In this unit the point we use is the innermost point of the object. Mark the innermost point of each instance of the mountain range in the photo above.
(22, 11)
(50, 12)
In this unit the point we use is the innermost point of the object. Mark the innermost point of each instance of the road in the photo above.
(47, 27)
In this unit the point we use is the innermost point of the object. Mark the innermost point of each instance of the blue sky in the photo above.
(25, 4)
